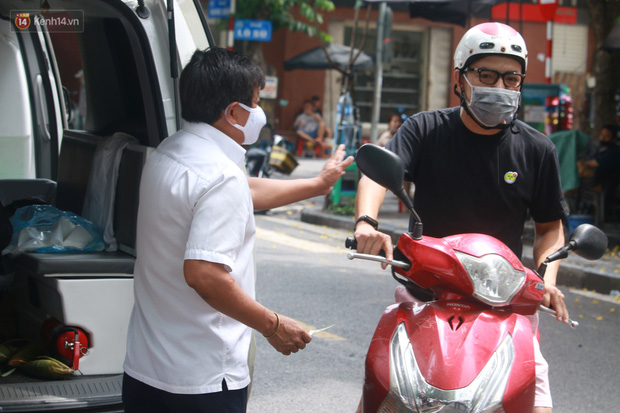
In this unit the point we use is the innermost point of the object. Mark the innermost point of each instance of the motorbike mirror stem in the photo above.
(542, 269)
(558, 255)
(416, 234)
(562, 252)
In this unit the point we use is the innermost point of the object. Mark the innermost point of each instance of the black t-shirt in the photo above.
(470, 183)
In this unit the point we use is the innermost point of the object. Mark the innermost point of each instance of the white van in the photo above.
(75, 74)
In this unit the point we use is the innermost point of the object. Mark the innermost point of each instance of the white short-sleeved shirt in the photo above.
(195, 204)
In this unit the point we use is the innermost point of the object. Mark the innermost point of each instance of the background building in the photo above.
(419, 75)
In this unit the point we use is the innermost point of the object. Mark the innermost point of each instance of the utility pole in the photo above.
(376, 101)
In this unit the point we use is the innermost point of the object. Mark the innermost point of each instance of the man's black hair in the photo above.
(397, 115)
(213, 79)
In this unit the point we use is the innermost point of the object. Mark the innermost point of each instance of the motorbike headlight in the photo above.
(495, 280)
(410, 393)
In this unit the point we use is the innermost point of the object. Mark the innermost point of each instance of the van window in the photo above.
(190, 21)
(16, 157)
(99, 69)
(106, 69)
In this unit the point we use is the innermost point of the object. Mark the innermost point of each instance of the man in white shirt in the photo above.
(190, 329)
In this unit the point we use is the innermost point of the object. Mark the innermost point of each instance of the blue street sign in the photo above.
(219, 8)
(256, 30)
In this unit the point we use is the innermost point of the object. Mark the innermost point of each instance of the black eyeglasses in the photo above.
(490, 77)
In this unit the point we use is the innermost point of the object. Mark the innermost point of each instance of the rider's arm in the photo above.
(549, 236)
(368, 201)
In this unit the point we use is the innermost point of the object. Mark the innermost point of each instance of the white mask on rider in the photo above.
(254, 124)
(493, 106)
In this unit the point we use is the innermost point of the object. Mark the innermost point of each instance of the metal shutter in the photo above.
(570, 45)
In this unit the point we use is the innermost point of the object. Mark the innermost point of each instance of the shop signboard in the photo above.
(253, 30)
(219, 8)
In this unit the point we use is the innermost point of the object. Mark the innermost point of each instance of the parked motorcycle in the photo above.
(467, 344)
(270, 153)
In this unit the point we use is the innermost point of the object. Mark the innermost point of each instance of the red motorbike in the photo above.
(466, 344)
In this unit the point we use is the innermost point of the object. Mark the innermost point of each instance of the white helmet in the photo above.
(490, 39)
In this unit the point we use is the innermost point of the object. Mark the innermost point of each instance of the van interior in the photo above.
(67, 92)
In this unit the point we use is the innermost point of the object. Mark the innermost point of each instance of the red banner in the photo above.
(547, 9)
(534, 13)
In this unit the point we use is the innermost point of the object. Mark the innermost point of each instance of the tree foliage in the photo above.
(281, 14)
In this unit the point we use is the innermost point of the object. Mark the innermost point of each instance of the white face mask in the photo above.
(491, 105)
(254, 124)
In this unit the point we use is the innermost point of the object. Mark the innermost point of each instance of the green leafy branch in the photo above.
(280, 13)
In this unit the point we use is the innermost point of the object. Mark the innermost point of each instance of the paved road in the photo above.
(303, 273)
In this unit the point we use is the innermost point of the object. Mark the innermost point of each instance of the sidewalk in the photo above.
(602, 275)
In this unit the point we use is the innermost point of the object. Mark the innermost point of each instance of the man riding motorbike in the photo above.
(477, 169)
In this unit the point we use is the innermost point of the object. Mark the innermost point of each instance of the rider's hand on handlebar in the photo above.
(371, 241)
(555, 299)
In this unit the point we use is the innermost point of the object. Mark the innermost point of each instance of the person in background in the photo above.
(604, 166)
(194, 285)
(316, 104)
(394, 123)
(477, 169)
(310, 127)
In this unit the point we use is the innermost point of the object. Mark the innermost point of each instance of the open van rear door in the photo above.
(113, 75)
(31, 103)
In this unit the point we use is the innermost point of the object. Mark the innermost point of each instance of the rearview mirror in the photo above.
(587, 241)
(385, 168)
(590, 242)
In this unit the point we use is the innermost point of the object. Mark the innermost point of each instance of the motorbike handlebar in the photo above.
(547, 310)
(350, 243)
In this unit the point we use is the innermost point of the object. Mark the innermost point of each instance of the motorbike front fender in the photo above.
(452, 342)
